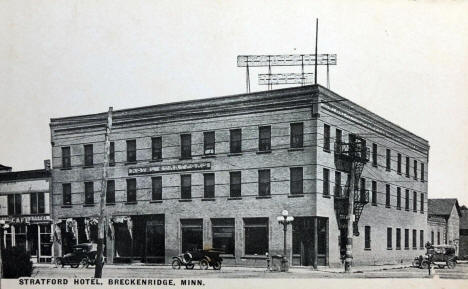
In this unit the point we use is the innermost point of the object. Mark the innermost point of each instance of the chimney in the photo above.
(47, 165)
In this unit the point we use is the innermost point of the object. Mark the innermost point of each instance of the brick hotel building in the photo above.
(215, 173)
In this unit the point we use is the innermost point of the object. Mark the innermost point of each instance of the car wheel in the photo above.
(74, 265)
(58, 262)
(451, 264)
(424, 265)
(217, 265)
(204, 264)
(176, 264)
(189, 266)
(84, 263)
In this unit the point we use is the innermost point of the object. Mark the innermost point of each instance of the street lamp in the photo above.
(284, 220)
(3, 226)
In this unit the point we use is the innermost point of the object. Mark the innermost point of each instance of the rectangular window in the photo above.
(37, 203)
(406, 238)
(407, 167)
(192, 234)
(407, 199)
(432, 237)
(264, 140)
(14, 204)
(209, 185)
(415, 201)
(209, 143)
(110, 192)
(131, 151)
(326, 182)
(374, 154)
(89, 193)
(326, 137)
(374, 193)
(296, 181)
(235, 140)
(438, 238)
(297, 135)
(88, 155)
(256, 236)
(398, 239)
(338, 136)
(186, 187)
(337, 191)
(362, 192)
(66, 160)
(156, 186)
(235, 184)
(131, 191)
(112, 154)
(422, 172)
(389, 238)
(66, 194)
(398, 200)
(224, 235)
(156, 148)
(421, 239)
(389, 160)
(185, 146)
(367, 237)
(387, 196)
(415, 169)
(415, 241)
(422, 202)
(399, 164)
(264, 182)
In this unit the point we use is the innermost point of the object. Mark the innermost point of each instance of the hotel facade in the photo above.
(216, 173)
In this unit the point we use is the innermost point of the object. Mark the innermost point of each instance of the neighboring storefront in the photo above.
(24, 206)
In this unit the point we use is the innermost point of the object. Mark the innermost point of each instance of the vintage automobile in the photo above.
(439, 255)
(205, 258)
(82, 255)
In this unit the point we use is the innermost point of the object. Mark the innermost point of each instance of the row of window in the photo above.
(361, 186)
(209, 140)
(398, 238)
(438, 238)
(388, 155)
(37, 203)
(264, 179)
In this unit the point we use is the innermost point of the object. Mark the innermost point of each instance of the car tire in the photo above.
(204, 264)
(424, 265)
(189, 266)
(84, 263)
(74, 265)
(217, 265)
(176, 264)
(451, 264)
(58, 262)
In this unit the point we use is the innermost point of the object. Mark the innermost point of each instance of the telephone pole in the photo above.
(350, 219)
(101, 224)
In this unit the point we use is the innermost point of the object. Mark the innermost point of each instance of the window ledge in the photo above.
(88, 167)
(66, 206)
(406, 248)
(295, 195)
(367, 249)
(389, 248)
(112, 165)
(186, 158)
(407, 210)
(227, 256)
(88, 205)
(326, 196)
(388, 170)
(234, 154)
(156, 161)
(327, 150)
(234, 198)
(131, 163)
(65, 169)
(263, 197)
(110, 204)
(387, 206)
(208, 156)
(399, 173)
(208, 199)
(295, 149)
(397, 248)
(156, 201)
(185, 200)
(264, 152)
(131, 203)
(398, 209)
(375, 205)
(415, 248)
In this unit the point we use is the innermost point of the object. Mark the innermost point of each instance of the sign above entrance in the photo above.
(26, 219)
(169, 168)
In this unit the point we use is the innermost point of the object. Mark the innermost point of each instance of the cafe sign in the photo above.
(169, 168)
(25, 219)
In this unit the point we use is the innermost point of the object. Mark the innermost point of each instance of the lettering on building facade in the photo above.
(169, 168)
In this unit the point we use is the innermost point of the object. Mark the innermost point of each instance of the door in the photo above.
(303, 240)
(155, 247)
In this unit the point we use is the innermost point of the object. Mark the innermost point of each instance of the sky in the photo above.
(404, 60)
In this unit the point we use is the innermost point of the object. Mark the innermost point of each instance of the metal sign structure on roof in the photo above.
(285, 60)
(285, 78)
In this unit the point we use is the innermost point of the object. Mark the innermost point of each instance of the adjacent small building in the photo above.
(444, 221)
(25, 207)
(463, 233)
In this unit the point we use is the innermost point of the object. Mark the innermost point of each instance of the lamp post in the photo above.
(284, 220)
(3, 226)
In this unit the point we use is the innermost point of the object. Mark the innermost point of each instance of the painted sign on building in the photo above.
(169, 168)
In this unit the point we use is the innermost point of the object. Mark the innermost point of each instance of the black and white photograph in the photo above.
(233, 144)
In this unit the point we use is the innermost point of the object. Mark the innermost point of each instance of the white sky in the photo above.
(404, 60)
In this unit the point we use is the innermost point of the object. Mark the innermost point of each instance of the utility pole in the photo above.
(101, 224)
(350, 217)
(316, 55)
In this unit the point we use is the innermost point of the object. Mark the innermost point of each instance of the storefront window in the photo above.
(223, 235)
(256, 236)
(20, 236)
(192, 234)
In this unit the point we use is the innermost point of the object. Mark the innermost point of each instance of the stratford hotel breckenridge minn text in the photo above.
(216, 173)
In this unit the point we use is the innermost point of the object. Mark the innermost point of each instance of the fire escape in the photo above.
(350, 157)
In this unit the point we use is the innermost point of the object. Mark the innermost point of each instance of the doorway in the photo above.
(310, 241)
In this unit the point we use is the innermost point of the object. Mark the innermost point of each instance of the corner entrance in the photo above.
(310, 241)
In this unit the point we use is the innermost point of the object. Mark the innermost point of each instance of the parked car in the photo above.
(204, 258)
(82, 255)
(440, 255)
